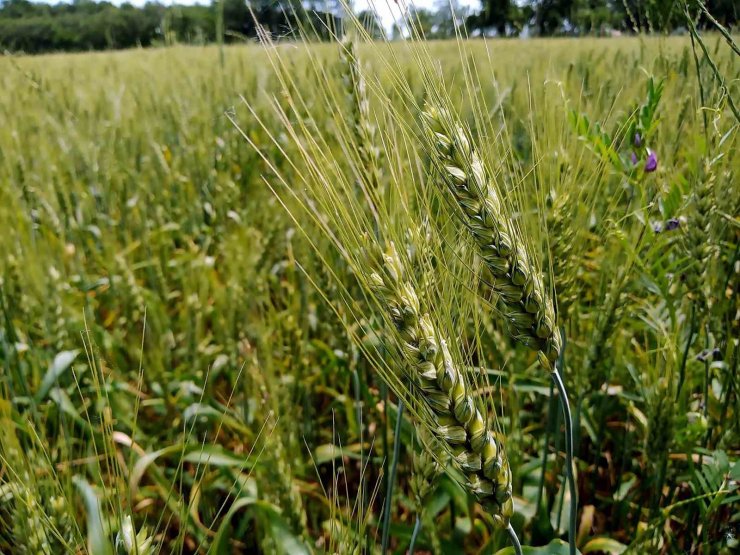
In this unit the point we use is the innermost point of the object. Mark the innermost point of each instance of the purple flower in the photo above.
(672, 224)
(657, 227)
(633, 158)
(637, 141)
(651, 164)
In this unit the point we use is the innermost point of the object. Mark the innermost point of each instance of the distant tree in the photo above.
(551, 15)
(15, 9)
(593, 17)
(84, 24)
(370, 22)
(237, 18)
(724, 11)
(422, 20)
(497, 14)
(448, 17)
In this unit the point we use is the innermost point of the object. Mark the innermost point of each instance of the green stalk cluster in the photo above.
(279, 469)
(523, 302)
(661, 430)
(595, 367)
(457, 422)
(698, 238)
(561, 253)
(31, 523)
(362, 126)
(426, 467)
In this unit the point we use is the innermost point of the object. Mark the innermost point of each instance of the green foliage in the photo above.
(33, 28)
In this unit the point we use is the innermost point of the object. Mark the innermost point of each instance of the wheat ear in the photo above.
(699, 239)
(457, 422)
(527, 308)
(561, 253)
(523, 302)
(362, 127)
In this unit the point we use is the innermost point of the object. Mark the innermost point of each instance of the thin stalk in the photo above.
(391, 480)
(724, 32)
(557, 449)
(358, 408)
(514, 540)
(706, 372)
(682, 370)
(220, 32)
(717, 75)
(577, 424)
(728, 390)
(414, 535)
(561, 502)
(697, 65)
(660, 481)
(386, 442)
(568, 418)
(545, 448)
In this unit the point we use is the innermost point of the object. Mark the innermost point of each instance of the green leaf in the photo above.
(216, 456)
(735, 472)
(202, 411)
(220, 544)
(61, 363)
(607, 545)
(628, 482)
(327, 452)
(60, 397)
(97, 539)
(193, 453)
(285, 541)
(555, 547)
(143, 463)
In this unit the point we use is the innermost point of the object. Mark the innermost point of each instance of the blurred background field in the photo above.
(168, 367)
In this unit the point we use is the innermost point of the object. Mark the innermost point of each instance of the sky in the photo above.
(387, 8)
(384, 8)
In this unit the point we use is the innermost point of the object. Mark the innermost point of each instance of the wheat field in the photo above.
(252, 300)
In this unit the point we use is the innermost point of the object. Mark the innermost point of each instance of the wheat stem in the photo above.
(415, 533)
(514, 540)
(392, 479)
(568, 418)
(545, 448)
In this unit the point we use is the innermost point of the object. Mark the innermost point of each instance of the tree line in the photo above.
(87, 25)
(595, 17)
